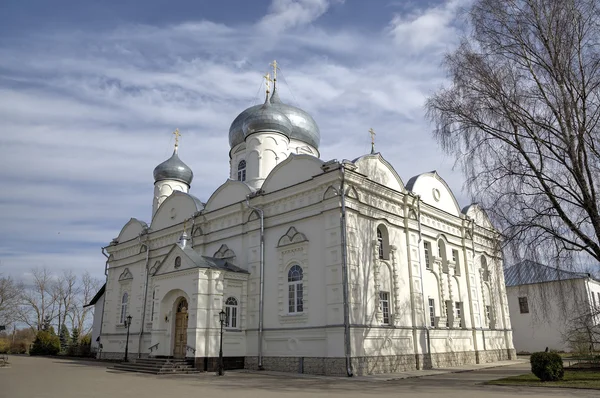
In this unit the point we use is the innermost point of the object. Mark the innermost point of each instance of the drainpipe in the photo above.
(425, 304)
(261, 302)
(347, 347)
(103, 304)
(145, 295)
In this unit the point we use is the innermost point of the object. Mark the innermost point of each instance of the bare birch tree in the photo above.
(39, 300)
(10, 292)
(521, 117)
(88, 286)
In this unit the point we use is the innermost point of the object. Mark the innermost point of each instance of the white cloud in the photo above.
(84, 118)
(424, 29)
(288, 14)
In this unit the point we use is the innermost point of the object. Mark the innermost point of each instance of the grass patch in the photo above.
(572, 379)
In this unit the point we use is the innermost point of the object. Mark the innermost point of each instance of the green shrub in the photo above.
(18, 347)
(547, 366)
(45, 343)
(4, 346)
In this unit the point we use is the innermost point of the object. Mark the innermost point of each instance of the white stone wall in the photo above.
(552, 306)
(302, 226)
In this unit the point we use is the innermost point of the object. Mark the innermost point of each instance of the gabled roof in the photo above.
(199, 261)
(95, 299)
(211, 262)
(528, 272)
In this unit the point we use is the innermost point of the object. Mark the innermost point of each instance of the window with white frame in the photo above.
(124, 303)
(231, 312)
(384, 306)
(488, 313)
(456, 260)
(241, 170)
(432, 312)
(427, 248)
(442, 254)
(598, 297)
(295, 288)
(593, 300)
(458, 312)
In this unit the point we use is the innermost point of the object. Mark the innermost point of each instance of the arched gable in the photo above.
(177, 208)
(377, 169)
(434, 191)
(131, 230)
(293, 170)
(476, 213)
(230, 192)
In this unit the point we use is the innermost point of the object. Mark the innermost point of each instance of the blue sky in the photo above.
(90, 92)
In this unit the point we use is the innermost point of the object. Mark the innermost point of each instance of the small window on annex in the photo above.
(523, 305)
(241, 170)
(383, 243)
(295, 289)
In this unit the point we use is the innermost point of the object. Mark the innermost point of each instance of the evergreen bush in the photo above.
(547, 366)
(64, 338)
(45, 343)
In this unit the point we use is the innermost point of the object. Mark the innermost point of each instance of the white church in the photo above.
(321, 267)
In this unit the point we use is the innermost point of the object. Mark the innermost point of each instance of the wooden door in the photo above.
(181, 325)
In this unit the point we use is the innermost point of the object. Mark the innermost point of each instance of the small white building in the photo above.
(325, 267)
(545, 304)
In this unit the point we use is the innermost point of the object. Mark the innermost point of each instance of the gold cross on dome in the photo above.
(267, 82)
(177, 134)
(274, 65)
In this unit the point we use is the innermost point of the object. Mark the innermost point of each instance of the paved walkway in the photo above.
(36, 377)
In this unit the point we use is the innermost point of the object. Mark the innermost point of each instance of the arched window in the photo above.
(241, 170)
(380, 243)
(124, 302)
(231, 311)
(295, 287)
(486, 270)
(383, 244)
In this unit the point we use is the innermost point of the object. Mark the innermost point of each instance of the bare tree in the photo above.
(88, 286)
(66, 290)
(521, 117)
(38, 301)
(10, 292)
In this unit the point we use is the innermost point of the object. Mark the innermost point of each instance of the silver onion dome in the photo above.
(303, 126)
(173, 169)
(267, 118)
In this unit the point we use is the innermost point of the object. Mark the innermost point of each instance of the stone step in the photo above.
(158, 366)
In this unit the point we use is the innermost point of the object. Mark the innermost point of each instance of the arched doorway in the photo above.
(181, 325)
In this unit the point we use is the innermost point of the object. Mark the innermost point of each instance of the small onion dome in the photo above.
(267, 118)
(304, 127)
(173, 169)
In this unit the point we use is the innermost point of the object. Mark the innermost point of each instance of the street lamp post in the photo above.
(222, 321)
(128, 324)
